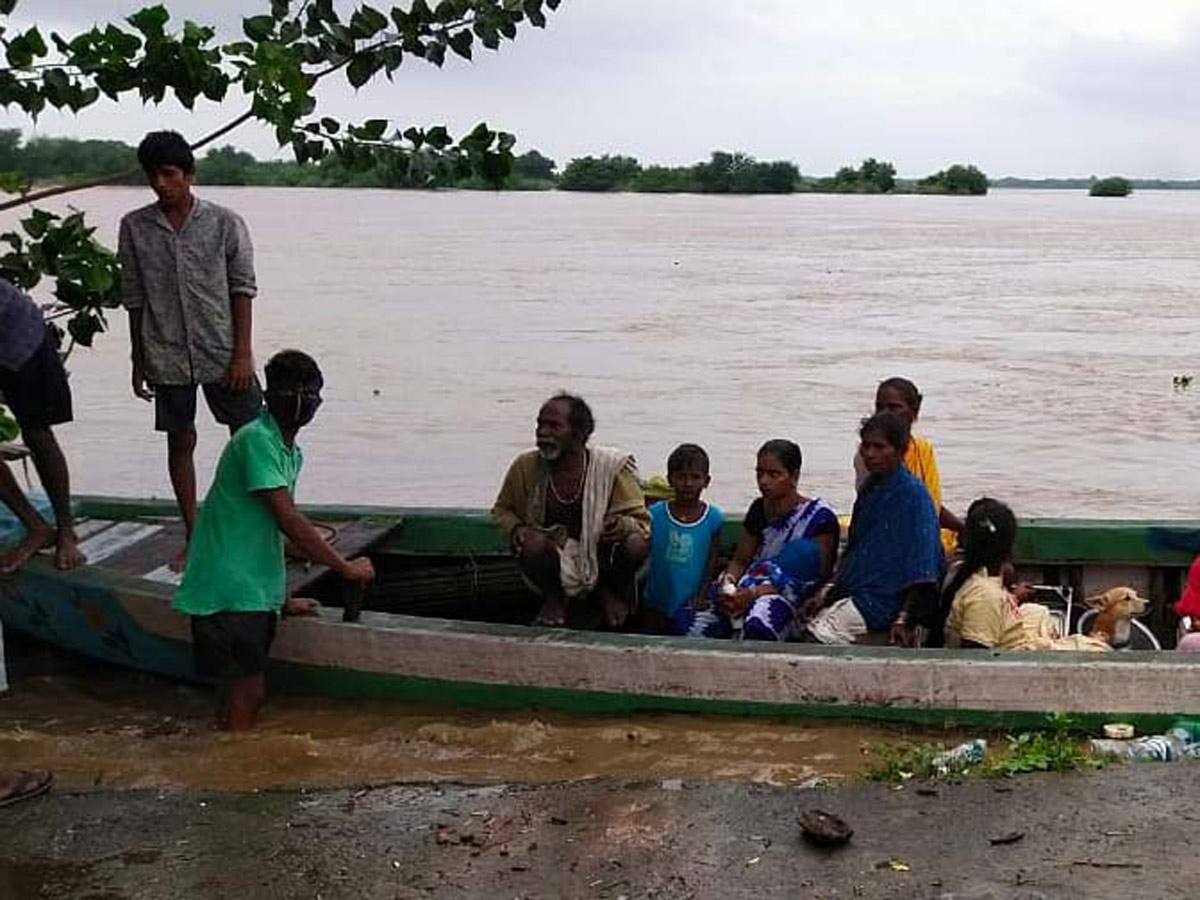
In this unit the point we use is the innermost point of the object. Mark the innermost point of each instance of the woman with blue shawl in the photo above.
(786, 551)
(888, 575)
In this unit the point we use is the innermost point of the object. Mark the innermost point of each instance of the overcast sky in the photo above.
(1019, 87)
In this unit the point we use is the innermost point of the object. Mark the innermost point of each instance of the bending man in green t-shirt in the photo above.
(235, 583)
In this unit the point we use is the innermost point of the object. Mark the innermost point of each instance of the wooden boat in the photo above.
(442, 625)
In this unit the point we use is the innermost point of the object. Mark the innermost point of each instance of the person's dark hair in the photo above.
(686, 455)
(787, 452)
(579, 414)
(290, 370)
(987, 542)
(165, 148)
(893, 428)
(905, 389)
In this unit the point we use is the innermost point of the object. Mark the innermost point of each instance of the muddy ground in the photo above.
(1122, 832)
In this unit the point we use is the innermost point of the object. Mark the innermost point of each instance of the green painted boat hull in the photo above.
(127, 621)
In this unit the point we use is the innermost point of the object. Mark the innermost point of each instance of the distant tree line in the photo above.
(49, 159)
(722, 173)
(1114, 186)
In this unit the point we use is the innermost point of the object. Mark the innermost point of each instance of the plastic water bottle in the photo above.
(738, 622)
(968, 754)
(1109, 747)
(1156, 748)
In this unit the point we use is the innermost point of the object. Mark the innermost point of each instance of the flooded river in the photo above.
(1044, 328)
(101, 727)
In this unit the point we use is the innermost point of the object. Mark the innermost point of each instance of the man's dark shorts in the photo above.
(175, 405)
(38, 393)
(232, 645)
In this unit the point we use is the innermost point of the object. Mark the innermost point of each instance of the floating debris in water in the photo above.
(1182, 382)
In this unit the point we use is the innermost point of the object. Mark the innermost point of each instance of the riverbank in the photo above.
(1122, 832)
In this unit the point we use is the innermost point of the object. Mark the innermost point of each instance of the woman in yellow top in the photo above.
(900, 396)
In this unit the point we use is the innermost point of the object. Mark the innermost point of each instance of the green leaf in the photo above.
(460, 42)
(279, 9)
(258, 28)
(150, 21)
(372, 129)
(7, 6)
(85, 325)
(437, 137)
(367, 22)
(9, 429)
(331, 126)
(361, 69)
(38, 222)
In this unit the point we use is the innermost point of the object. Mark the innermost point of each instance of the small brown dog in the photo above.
(1116, 608)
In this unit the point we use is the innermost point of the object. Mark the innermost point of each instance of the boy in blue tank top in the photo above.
(683, 542)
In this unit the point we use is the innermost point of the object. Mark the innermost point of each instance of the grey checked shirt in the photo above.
(184, 282)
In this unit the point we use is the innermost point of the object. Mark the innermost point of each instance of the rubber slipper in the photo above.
(28, 785)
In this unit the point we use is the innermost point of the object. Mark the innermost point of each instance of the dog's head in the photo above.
(1120, 602)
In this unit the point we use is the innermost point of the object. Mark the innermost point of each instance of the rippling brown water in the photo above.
(96, 726)
(1043, 327)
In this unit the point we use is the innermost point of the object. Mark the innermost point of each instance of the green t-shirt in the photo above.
(235, 561)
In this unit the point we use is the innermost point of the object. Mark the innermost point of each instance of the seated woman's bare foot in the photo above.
(179, 563)
(67, 554)
(616, 610)
(553, 614)
(39, 538)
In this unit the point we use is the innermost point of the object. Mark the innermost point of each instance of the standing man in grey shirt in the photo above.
(34, 386)
(188, 283)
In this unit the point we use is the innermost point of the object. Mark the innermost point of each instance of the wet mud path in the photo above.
(1123, 832)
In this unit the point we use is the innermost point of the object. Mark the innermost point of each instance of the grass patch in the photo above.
(1042, 751)
(1058, 748)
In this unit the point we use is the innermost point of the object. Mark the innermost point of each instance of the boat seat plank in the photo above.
(142, 549)
(117, 542)
(352, 539)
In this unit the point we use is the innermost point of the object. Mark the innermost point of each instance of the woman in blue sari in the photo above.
(787, 549)
(888, 576)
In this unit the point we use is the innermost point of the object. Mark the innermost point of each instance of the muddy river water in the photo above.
(101, 727)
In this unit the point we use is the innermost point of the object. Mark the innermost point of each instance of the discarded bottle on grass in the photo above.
(1155, 748)
(1169, 747)
(1109, 747)
(968, 754)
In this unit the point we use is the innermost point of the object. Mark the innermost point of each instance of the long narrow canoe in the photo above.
(442, 626)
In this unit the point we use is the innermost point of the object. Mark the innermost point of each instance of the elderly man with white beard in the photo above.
(576, 520)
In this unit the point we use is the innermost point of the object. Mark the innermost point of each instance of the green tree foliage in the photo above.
(880, 175)
(1114, 186)
(957, 179)
(534, 166)
(290, 48)
(740, 173)
(599, 174)
(45, 158)
(872, 177)
(723, 173)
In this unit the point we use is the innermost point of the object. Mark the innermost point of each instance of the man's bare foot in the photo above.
(39, 538)
(552, 615)
(179, 563)
(67, 554)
